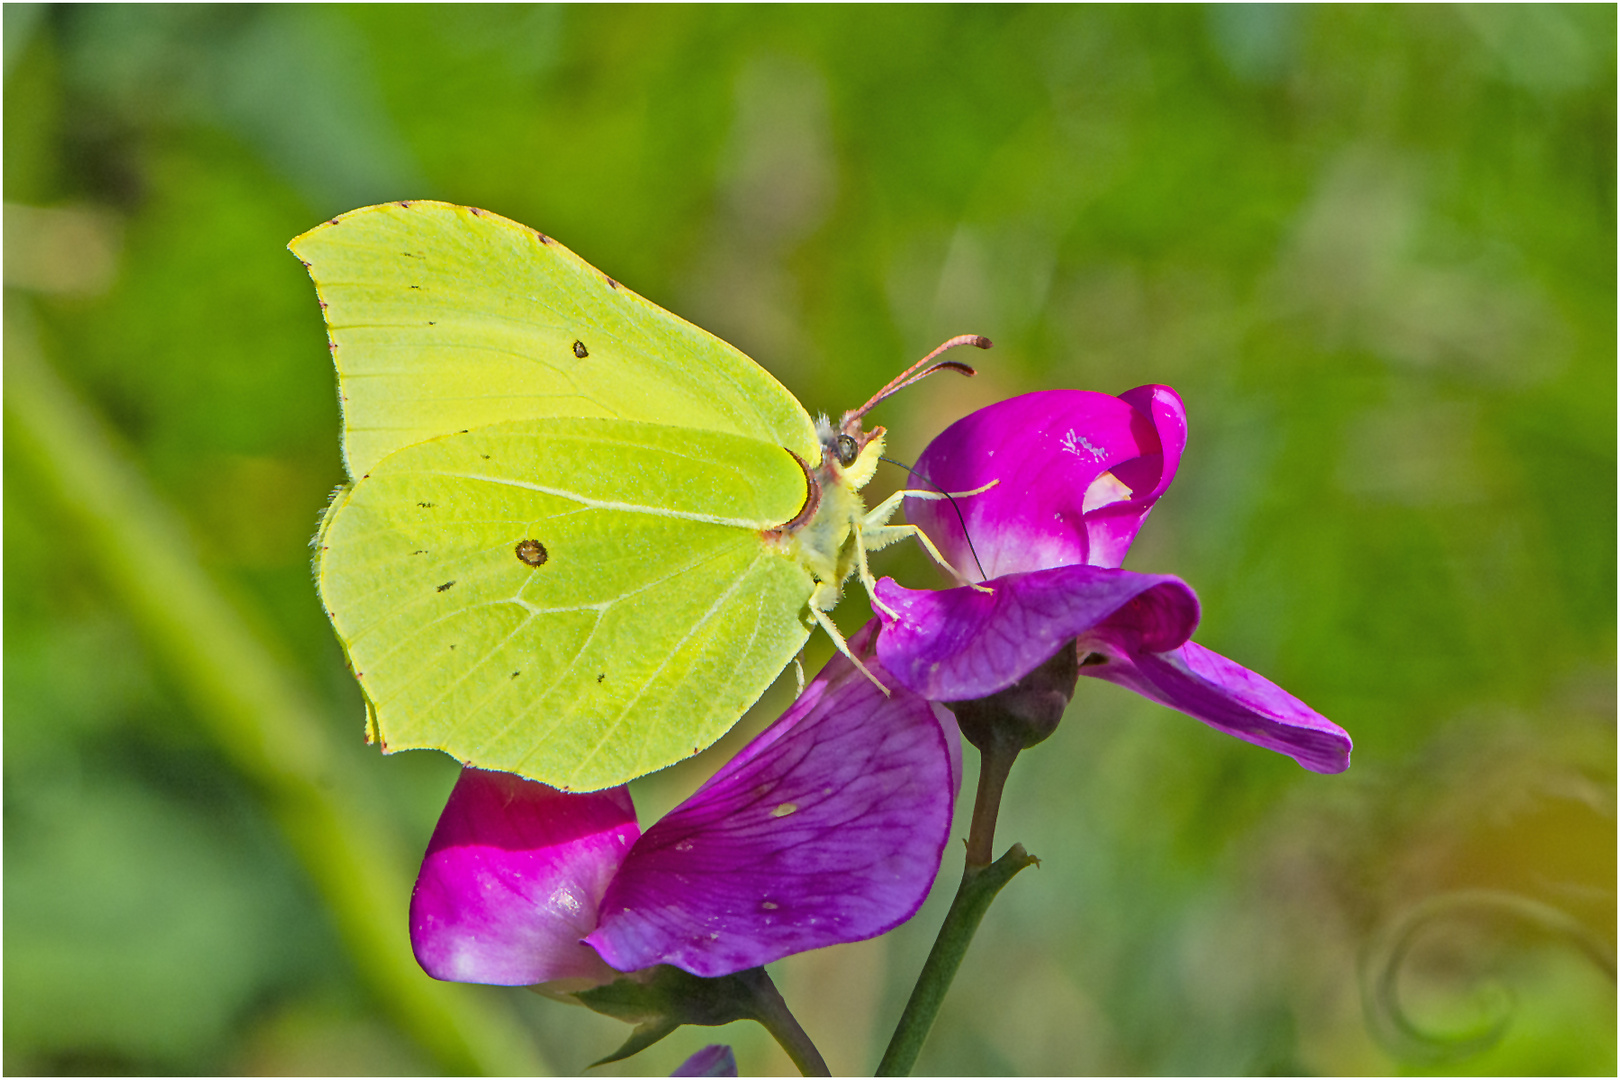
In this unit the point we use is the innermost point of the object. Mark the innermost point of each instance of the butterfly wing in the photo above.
(444, 318)
(581, 601)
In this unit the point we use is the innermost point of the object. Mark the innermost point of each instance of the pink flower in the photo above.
(828, 827)
(1075, 474)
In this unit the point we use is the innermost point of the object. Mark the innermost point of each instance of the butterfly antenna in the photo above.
(950, 499)
(911, 374)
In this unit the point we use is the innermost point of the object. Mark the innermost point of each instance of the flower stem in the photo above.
(996, 759)
(979, 886)
(775, 1017)
(981, 881)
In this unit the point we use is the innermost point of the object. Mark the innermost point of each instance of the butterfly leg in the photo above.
(843, 646)
(882, 537)
(874, 533)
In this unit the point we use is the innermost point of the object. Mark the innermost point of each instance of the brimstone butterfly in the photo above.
(581, 536)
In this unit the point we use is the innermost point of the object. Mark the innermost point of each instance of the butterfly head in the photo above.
(848, 451)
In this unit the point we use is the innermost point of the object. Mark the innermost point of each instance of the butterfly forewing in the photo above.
(579, 600)
(444, 318)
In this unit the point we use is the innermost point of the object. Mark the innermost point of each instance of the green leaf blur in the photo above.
(1373, 248)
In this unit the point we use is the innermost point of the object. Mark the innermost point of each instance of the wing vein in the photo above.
(605, 504)
(699, 624)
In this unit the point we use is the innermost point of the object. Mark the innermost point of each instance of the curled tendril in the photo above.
(1508, 914)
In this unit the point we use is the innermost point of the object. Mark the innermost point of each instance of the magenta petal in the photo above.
(829, 827)
(1111, 528)
(961, 644)
(953, 740)
(512, 879)
(1226, 696)
(716, 1059)
(1048, 453)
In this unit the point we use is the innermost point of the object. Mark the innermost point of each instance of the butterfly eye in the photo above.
(846, 449)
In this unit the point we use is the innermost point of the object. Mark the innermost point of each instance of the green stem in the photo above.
(979, 886)
(981, 881)
(996, 759)
(775, 1017)
(248, 702)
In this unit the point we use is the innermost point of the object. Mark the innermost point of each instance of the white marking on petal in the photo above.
(1076, 444)
(565, 900)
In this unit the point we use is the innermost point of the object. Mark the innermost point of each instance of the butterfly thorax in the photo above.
(822, 538)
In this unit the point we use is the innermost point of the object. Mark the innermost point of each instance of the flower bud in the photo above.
(1026, 712)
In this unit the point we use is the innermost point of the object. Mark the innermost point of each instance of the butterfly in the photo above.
(580, 536)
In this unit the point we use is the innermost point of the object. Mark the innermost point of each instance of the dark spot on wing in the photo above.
(446, 585)
(602, 676)
(580, 350)
(406, 203)
(474, 211)
(515, 674)
(532, 553)
(413, 255)
(425, 506)
(484, 456)
(611, 283)
(416, 286)
(433, 322)
(420, 551)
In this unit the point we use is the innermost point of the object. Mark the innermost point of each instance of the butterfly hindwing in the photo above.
(576, 599)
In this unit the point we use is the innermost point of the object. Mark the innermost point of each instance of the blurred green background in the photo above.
(1373, 248)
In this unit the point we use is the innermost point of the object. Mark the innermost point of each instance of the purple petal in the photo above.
(1226, 696)
(953, 739)
(961, 644)
(512, 879)
(1111, 528)
(1076, 473)
(716, 1059)
(827, 828)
